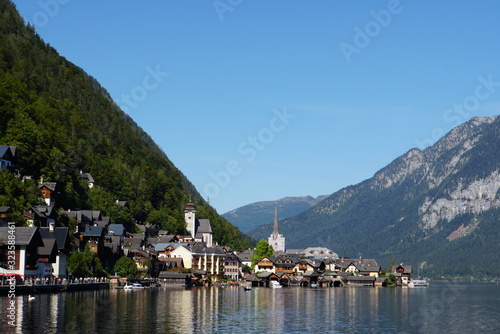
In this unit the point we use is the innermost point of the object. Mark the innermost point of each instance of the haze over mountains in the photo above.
(260, 213)
(438, 208)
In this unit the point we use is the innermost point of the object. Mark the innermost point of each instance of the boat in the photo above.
(275, 285)
(417, 283)
(133, 286)
(248, 288)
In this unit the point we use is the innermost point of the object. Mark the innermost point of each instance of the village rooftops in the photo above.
(24, 236)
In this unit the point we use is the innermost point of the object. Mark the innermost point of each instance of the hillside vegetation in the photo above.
(62, 121)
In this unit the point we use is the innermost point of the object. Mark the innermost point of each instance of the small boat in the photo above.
(31, 298)
(275, 285)
(314, 285)
(248, 288)
(133, 286)
(417, 283)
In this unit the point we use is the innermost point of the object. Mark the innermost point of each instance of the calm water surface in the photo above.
(442, 307)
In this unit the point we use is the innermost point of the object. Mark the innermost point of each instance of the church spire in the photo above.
(275, 229)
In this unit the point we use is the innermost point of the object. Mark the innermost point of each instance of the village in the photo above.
(41, 250)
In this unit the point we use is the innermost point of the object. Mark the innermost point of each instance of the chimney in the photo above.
(41, 179)
(51, 227)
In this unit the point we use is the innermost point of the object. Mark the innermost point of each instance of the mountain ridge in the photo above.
(423, 201)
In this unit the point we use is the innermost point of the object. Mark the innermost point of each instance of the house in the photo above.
(60, 235)
(266, 264)
(5, 214)
(46, 257)
(285, 264)
(359, 267)
(48, 190)
(176, 278)
(402, 273)
(209, 259)
(183, 252)
(88, 178)
(246, 257)
(26, 243)
(319, 253)
(232, 267)
(40, 215)
(92, 236)
(361, 280)
(7, 157)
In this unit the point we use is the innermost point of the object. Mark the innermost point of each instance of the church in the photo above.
(199, 229)
(276, 240)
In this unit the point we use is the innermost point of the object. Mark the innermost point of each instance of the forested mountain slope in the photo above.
(62, 121)
(438, 207)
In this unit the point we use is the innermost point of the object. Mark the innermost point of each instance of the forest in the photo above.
(63, 122)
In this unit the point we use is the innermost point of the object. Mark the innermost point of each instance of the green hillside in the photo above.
(62, 121)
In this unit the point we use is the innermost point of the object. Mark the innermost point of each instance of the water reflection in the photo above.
(262, 310)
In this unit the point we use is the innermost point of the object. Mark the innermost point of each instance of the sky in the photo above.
(260, 100)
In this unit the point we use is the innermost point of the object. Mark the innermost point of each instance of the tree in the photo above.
(125, 267)
(262, 249)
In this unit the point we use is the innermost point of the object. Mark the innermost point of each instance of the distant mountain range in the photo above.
(438, 208)
(253, 215)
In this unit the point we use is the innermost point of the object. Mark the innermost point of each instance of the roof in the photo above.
(92, 231)
(319, 253)
(361, 278)
(203, 226)
(173, 275)
(246, 255)
(116, 229)
(49, 247)
(87, 177)
(5, 209)
(7, 152)
(50, 185)
(24, 235)
(207, 250)
(60, 234)
(43, 210)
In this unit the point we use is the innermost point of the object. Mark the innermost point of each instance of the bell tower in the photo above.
(190, 218)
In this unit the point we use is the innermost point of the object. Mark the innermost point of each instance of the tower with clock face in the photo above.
(190, 218)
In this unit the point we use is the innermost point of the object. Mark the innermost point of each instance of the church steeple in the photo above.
(275, 228)
(276, 240)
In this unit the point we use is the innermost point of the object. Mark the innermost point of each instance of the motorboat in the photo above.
(133, 286)
(417, 283)
(275, 285)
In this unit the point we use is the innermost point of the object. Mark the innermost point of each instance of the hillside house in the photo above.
(40, 215)
(7, 157)
(48, 190)
(27, 241)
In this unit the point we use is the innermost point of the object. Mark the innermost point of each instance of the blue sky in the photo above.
(258, 100)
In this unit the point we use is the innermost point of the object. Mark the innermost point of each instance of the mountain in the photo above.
(62, 122)
(252, 215)
(438, 208)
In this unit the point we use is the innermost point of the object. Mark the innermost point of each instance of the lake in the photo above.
(441, 307)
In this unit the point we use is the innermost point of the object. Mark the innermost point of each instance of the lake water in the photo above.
(442, 307)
